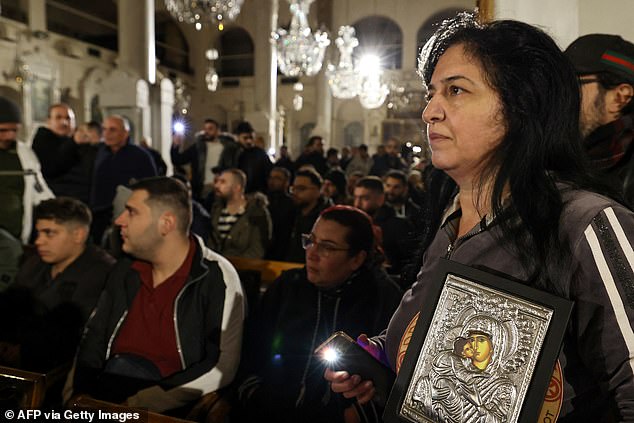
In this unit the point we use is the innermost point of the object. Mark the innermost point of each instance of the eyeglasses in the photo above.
(322, 249)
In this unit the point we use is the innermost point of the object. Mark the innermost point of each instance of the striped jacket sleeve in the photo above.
(603, 319)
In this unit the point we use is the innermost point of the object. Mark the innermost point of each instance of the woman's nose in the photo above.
(433, 111)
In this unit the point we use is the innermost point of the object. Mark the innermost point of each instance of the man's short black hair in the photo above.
(243, 127)
(94, 126)
(63, 210)
(312, 140)
(332, 152)
(209, 120)
(396, 174)
(168, 193)
(373, 183)
(363, 147)
(284, 171)
(313, 175)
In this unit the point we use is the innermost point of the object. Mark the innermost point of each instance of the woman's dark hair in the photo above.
(539, 93)
(361, 234)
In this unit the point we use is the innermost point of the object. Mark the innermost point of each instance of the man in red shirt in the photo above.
(169, 322)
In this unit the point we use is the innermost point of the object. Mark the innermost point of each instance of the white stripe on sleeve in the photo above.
(610, 286)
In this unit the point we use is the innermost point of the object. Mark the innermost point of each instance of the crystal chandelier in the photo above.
(344, 79)
(211, 77)
(373, 92)
(298, 100)
(182, 99)
(300, 52)
(201, 12)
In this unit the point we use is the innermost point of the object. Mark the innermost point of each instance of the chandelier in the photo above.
(182, 99)
(211, 77)
(300, 52)
(373, 91)
(344, 79)
(201, 12)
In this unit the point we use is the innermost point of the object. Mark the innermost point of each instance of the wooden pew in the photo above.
(84, 402)
(269, 269)
(21, 388)
(29, 389)
(257, 275)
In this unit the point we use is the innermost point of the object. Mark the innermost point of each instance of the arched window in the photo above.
(429, 27)
(172, 49)
(235, 53)
(381, 36)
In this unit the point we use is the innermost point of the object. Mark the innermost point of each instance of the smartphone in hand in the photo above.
(341, 352)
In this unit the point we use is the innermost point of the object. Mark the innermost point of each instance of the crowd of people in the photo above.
(125, 272)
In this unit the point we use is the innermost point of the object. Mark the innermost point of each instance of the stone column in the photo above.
(275, 136)
(166, 111)
(37, 16)
(265, 116)
(136, 38)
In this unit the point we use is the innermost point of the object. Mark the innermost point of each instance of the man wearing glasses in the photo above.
(605, 65)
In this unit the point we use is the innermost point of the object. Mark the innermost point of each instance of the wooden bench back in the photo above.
(269, 269)
(19, 388)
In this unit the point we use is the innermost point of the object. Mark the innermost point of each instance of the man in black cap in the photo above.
(253, 160)
(605, 66)
(22, 186)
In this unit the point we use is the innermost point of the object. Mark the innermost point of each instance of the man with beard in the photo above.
(168, 327)
(210, 151)
(370, 197)
(397, 196)
(253, 161)
(282, 212)
(22, 185)
(605, 67)
(306, 194)
(240, 225)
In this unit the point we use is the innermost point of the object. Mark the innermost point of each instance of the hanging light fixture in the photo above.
(344, 79)
(298, 100)
(211, 77)
(202, 12)
(299, 51)
(373, 92)
(182, 99)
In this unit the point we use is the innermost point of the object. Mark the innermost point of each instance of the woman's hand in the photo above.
(350, 386)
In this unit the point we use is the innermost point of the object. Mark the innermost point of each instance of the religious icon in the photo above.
(480, 352)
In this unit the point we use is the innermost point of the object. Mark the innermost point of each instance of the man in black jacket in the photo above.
(369, 197)
(253, 161)
(211, 152)
(168, 327)
(605, 67)
(66, 161)
(56, 289)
